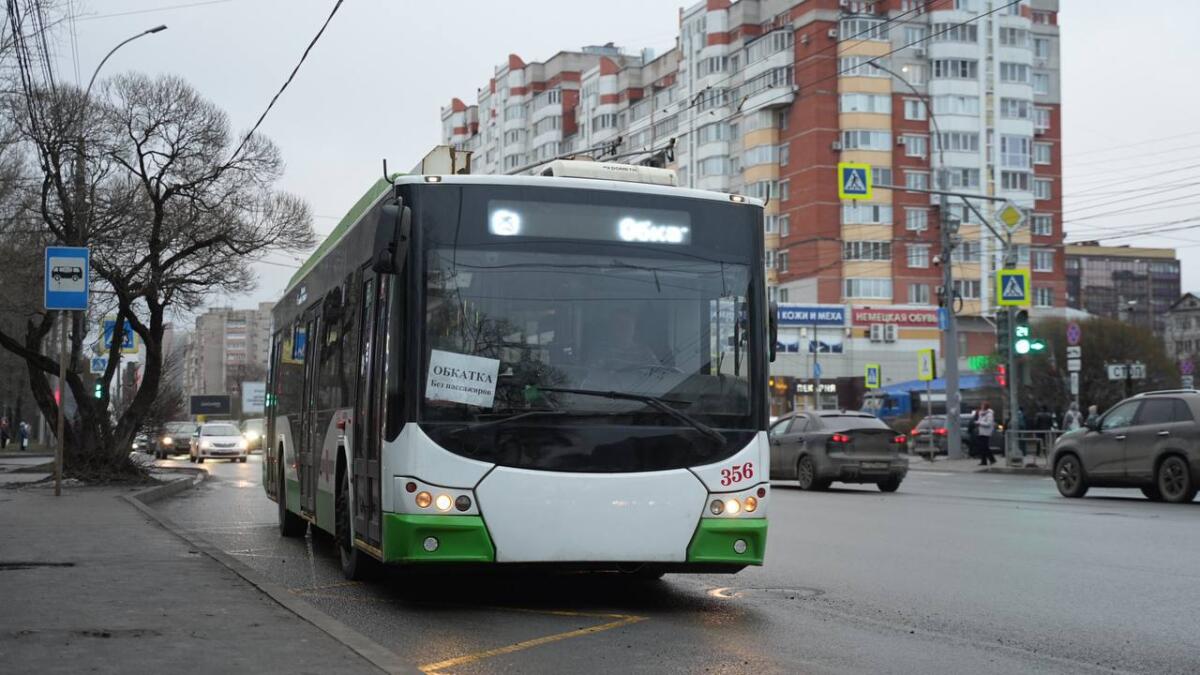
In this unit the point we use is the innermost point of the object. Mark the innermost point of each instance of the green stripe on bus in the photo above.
(715, 539)
(459, 539)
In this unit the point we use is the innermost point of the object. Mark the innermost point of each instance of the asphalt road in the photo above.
(955, 573)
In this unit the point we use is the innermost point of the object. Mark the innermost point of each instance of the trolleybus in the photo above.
(528, 370)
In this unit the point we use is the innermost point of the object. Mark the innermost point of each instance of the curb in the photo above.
(374, 653)
(1020, 470)
(27, 455)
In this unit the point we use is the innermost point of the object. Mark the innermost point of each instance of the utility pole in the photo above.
(1011, 431)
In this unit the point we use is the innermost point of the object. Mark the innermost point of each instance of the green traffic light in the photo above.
(1037, 345)
(1022, 346)
(96, 391)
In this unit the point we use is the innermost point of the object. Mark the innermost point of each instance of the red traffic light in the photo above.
(1002, 375)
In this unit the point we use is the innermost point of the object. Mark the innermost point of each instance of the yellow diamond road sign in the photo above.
(1011, 215)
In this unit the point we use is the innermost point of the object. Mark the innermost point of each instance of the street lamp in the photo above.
(948, 231)
(156, 29)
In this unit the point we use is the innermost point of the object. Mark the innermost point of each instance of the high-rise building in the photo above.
(229, 346)
(766, 97)
(1131, 284)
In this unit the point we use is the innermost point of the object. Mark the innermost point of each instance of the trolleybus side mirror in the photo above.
(773, 329)
(391, 237)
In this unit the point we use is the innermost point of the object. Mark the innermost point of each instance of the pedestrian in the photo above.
(23, 432)
(984, 428)
(4, 432)
(1020, 425)
(1092, 416)
(973, 434)
(1072, 419)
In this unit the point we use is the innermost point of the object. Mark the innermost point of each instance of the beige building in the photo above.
(228, 346)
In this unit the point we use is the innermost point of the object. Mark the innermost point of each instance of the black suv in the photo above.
(1150, 441)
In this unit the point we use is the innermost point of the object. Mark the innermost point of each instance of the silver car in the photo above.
(218, 440)
(819, 447)
(1150, 441)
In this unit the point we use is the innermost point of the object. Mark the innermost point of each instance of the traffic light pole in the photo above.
(1011, 447)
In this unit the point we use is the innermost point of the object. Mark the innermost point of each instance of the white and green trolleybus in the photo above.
(553, 369)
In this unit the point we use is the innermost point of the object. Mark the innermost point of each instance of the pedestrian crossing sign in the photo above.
(1012, 288)
(873, 375)
(854, 181)
(926, 365)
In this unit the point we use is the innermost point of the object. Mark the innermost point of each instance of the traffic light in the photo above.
(1003, 336)
(1023, 340)
(1001, 375)
(97, 389)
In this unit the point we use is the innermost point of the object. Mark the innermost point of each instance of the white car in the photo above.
(218, 440)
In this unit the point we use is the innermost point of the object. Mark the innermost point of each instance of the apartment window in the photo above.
(1041, 188)
(784, 154)
(962, 178)
(1041, 224)
(1015, 109)
(763, 189)
(763, 119)
(1041, 48)
(783, 190)
(858, 66)
(513, 161)
(962, 69)
(713, 166)
(604, 121)
(783, 119)
(546, 124)
(785, 225)
(864, 139)
(918, 256)
(718, 131)
(867, 250)
(713, 64)
(1041, 83)
(1043, 297)
(915, 73)
(869, 288)
(855, 213)
(1014, 180)
(915, 146)
(958, 141)
(760, 154)
(770, 260)
(1042, 259)
(768, 44)
(955, 32)
(862, 28)
(711, 98)
(881, 175)
(916, 180)
(916, 220)
(513, 136)
(1041, 119)
(775, 77)
(1041, 153)
(918, 294)
(914, 35)
(956, 105)
(1014, 72)
(967, 252)
(666, 127)
(1022, 255)
(771, 224)
(1041, 18)
(781, 261)
(865, 103)
(1015, 151)
(914, 109)
(967, 289)
(1014, 37)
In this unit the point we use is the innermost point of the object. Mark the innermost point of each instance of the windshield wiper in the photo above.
(652, 401)
(476, 426)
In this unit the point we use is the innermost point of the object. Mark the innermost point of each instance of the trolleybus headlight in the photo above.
(751, 504)
(732, 507)
(717, 507)
(443, 502)
(424, 499)
(462, 503)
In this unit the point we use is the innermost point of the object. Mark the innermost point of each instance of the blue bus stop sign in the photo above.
(67, 270)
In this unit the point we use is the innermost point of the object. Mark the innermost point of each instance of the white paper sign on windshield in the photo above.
(462, 378)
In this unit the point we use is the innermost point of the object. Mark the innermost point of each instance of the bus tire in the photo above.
(356, 565)
(290, 524)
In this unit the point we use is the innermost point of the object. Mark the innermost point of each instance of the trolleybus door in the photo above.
(310, 437)
(369, 406)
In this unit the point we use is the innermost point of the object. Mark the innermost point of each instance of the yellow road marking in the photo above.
(623, 620)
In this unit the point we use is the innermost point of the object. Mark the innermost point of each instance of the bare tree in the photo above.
(173, 206)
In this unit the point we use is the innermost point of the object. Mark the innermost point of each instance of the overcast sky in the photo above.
(373, 86)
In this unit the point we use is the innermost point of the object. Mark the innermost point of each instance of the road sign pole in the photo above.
(64, 319)
(1010, 432)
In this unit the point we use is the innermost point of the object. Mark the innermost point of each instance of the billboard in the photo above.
(254, 398)
(210, 405)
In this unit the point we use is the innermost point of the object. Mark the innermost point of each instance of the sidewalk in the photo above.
(971, 465)
(91, 584)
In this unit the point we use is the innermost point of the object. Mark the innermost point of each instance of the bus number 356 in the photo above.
(737, 474)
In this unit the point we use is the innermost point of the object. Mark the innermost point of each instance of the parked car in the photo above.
(142, 443)
(1150, 441)
(218, 440)
(930, 434)
(817, 448)
(253, 430)
(176, 437)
